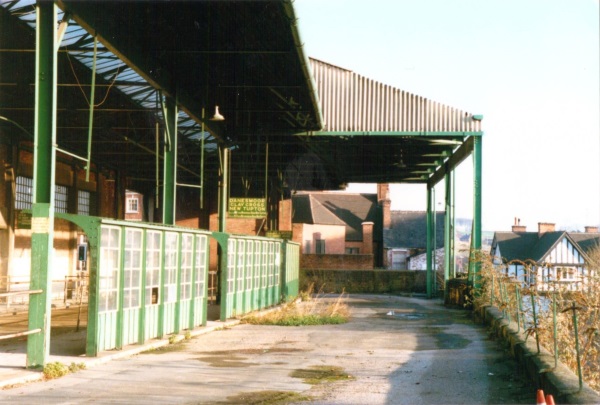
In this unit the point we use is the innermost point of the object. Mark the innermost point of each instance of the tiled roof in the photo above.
(327, 208)
(531, 246)
(587, 241)
(409, 230)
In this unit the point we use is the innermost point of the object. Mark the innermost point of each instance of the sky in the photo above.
(530, 67)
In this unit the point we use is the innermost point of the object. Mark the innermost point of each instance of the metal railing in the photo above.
(562, 319)
(23, 333)
(13, 291)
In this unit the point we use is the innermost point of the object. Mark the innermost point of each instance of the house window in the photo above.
(320, 246)
(566, 273)
(307, 247)
(83, 202)
(352, 251)
(132, 205)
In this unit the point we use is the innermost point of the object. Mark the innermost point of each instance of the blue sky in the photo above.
(531, 67)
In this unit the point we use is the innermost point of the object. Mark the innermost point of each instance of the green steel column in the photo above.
(42, 222)
(448, 226)
(223, 192)
(429, 242)
(476, 229)
(170, 163)
(453, 223)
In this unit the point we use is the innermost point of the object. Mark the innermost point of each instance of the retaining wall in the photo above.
(364, 281)
(560, 382)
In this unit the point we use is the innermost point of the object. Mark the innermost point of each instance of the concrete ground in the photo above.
(394, 350)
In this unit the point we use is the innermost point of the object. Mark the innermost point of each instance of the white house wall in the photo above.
(564, 253)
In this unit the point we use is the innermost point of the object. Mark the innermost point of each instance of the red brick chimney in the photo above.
(591, 229)
(285, 215)
(544, 227)
(383, 198)
(367, 230)
(517, 227)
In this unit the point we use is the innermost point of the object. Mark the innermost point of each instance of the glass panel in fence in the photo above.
(171, 256)
(240, 264)
(200, 265)
(153, 260)
(186, 265)
(132, 268)
(109, 259)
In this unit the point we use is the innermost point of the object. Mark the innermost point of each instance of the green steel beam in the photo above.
(476, 230)
(454, 160)
(429, 253)
(42, 221)
(170, 163)
(390, 133)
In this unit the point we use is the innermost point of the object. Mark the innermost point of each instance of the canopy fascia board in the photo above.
(306, 70)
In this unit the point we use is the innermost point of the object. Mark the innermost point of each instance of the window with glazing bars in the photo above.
(83, 202)
(24, 195)
(60, 199)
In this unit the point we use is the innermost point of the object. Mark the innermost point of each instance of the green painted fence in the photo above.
(148, 281)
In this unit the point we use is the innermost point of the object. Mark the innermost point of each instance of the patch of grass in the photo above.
(321, 374)
(57, 369)
(266, 398)
(314, 310)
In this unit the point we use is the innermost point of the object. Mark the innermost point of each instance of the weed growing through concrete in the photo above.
(313, 309)
(57, 369)
(267, 398)
(321, 374)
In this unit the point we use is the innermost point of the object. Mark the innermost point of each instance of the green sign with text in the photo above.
(247, 208)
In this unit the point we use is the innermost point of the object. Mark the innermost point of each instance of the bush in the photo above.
(502, 291)
(312, 310)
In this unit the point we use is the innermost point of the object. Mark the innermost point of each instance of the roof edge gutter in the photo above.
(310, 81)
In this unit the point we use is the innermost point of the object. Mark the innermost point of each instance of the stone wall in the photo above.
(333, 261)
(560, 382)
(363, 281)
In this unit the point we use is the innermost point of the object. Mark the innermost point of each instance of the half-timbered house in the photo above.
(546, 259)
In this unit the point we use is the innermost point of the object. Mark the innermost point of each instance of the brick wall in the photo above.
(363, 281)
(359, 262)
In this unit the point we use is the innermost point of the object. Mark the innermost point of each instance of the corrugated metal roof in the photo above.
(354, 103)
